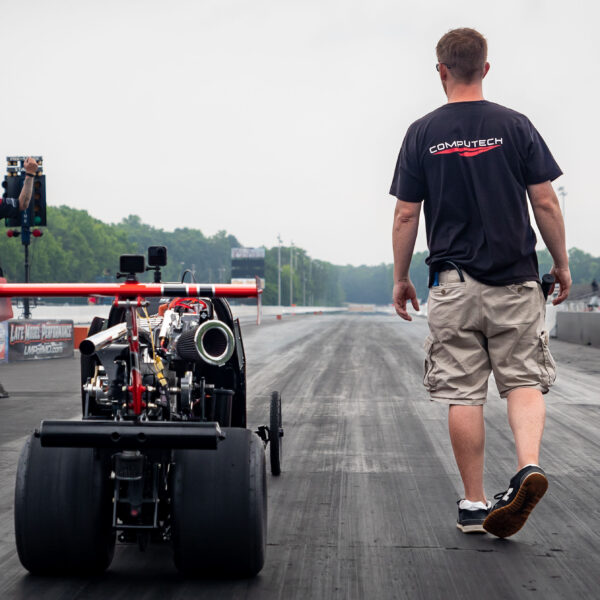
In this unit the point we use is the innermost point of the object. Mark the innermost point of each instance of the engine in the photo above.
(191, 364)
(197, 338)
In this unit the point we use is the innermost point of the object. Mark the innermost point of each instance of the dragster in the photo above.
(162, 452)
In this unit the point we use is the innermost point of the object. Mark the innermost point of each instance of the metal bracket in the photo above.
(264, 434)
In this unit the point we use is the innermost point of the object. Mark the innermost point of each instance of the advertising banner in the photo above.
(35, 339)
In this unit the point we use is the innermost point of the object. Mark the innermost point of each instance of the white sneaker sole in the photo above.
(471, 528)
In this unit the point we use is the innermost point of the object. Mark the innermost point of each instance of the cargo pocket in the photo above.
(429, 375)
(547, 364)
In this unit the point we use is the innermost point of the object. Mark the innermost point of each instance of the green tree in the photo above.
(76, 247)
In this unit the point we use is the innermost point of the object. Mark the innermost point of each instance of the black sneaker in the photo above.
(515, 504)
(471, 516)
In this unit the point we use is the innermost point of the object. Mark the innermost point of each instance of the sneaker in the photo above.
(471, 516)
(515, 504)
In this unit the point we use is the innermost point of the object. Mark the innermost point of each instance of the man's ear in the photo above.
(443, 72)
(486, 68)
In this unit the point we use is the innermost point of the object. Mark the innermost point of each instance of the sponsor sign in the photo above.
(36, 339)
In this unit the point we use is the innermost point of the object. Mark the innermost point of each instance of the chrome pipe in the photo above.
(102, 339)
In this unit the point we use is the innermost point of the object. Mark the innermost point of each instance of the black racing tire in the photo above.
(63, 511)
(219, 507)
(275, 434)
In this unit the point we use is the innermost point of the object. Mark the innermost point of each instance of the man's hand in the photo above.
(31, 166)
(404, 234)
(550, 222)
(403, 291)
(563, 278)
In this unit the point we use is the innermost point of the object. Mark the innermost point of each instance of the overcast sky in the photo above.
(270, 117)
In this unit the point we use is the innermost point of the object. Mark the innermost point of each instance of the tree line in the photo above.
(76, 247)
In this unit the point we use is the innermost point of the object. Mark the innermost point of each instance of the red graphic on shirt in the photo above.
(467, 151)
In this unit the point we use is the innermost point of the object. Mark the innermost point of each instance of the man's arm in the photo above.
(25, 196)
(549, 219)
(404, 235)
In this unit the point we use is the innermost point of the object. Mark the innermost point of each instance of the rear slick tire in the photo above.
(219, 508)
(63, 511)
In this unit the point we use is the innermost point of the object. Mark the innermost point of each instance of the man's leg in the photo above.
(526, 416)
(467, 434)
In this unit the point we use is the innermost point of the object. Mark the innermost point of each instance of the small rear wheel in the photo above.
(63, 510)
(219, 507)
(275, 434)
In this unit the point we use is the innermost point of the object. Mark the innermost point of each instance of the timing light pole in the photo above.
(35, 213)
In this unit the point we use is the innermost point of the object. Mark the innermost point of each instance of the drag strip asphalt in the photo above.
(366, 504)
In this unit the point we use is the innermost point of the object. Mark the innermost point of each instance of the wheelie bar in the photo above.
(128, 435)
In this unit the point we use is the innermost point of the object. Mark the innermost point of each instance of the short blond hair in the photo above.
(464, 50)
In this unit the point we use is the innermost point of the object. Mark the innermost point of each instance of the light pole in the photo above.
(303, 282)
(303, 288)
(310, 284)
(562, 193)
(291, 273)
(279, 270)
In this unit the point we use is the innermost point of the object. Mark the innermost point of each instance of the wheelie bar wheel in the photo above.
(63, 510)
(219, 507)
(275, 434)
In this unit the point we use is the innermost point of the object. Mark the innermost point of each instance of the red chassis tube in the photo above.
(129, 290)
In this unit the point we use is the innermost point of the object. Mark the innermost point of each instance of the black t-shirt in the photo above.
(9, 207)
(471, 163)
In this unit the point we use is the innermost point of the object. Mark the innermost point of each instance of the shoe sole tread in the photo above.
(506, 521)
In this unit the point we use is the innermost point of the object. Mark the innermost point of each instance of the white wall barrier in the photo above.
(578, 327)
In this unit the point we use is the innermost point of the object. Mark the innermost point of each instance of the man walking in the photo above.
(472, 163)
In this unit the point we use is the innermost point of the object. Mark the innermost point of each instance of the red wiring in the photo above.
(188, 303)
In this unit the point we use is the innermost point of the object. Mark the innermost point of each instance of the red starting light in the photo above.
(9, 233)
(37, 233)
(13, 233)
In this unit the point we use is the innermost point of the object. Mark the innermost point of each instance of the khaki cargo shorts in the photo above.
(477, 329)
